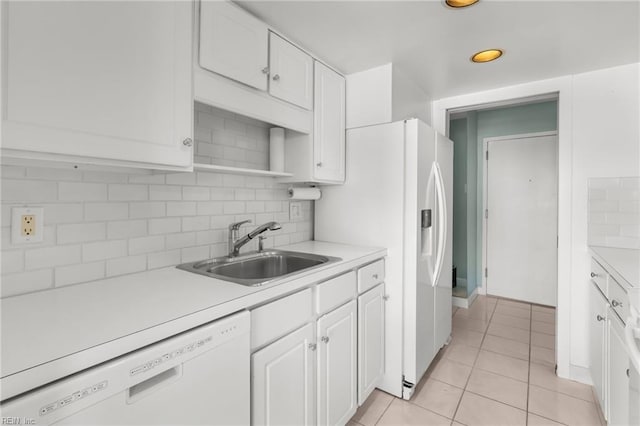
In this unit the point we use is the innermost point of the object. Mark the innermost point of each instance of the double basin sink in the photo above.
(258, 268)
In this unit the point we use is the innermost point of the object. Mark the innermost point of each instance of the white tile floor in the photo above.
(498, 370)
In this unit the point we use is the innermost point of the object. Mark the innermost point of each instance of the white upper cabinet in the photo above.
(291, 73)
(106, 80)
(329, 125)
(234, 43)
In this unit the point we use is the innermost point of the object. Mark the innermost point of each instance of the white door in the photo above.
(522, 204)
(234, 43)
(291, 72)
(329, 125)
(282, 387)
(370, 341)
(597, 334)
(337, 365)
(108, 80)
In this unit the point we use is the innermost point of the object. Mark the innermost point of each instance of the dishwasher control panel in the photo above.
(151, 364)
(75, 396)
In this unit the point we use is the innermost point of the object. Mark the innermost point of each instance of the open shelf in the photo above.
(238, 170)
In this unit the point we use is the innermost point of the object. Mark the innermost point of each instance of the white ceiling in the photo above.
(433, 43)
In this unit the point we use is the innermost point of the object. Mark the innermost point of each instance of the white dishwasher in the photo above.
(201, 376)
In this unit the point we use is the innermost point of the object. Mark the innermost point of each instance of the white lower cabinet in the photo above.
(337, 365)
(618, 373)
(282, 381)
(329, 364)
(370, 341)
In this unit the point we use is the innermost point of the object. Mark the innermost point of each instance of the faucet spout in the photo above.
(234, 246)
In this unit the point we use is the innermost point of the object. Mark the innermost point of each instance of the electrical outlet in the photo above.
(27, 225)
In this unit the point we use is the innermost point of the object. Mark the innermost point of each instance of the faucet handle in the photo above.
(236, 225)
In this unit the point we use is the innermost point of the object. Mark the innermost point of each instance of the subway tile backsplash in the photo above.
(614, 212)
(103, 224)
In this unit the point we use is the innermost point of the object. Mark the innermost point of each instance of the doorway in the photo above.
(520, 217)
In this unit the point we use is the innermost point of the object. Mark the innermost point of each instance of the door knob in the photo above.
(593, 275)
(600, 318)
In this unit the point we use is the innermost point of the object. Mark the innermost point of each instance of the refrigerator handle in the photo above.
(442, 223)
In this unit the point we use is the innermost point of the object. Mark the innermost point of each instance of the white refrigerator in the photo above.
(398, 195)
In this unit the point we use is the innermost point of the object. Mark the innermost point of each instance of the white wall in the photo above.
(102, 224)
(598, 136)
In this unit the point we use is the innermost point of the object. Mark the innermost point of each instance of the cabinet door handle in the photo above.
(600, 318)
(265, 70)
(593, 275)
(385, 297)
(628, 373)
(312, 346)
(187, 142)
(615, 303)
(319, 164)
(375, 276)
(276, 77)
(325, 339)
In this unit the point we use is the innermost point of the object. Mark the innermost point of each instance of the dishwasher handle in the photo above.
(145, 388)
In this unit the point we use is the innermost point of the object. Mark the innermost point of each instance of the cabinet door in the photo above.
(233, 43)
(108, 80)
(370, 341)
(283, 382)
(329, 125)
(597, 343)
(291, 72)
(618, 373)
(337, 360)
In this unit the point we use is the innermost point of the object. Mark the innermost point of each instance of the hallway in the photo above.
(498, 370)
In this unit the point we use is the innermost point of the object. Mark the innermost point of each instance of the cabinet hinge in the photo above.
(486, 272)
(487, 154)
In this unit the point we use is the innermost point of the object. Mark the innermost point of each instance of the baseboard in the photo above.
(464, 302)
(580, 374)
(461, 282)
(482, 290)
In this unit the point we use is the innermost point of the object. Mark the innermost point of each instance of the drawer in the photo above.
(335, 292)
(599, 276)
(371, 275)
(618, 299)
(278, 318)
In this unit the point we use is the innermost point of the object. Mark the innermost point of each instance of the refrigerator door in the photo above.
(443, 285)
(420, 226)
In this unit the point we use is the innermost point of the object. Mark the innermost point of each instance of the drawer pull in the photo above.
(385, 297)
(325, 339)
(593, 275)
(375, 276)
(628, 373)
(615, 303)
(600, 318)
(312, 346)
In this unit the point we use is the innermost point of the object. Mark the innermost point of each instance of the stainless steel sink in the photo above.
(257, 268)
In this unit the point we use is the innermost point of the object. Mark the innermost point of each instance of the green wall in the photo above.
(458, 134)
(514, 120)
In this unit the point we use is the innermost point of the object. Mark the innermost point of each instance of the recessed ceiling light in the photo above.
(487, 55)
(460, 3)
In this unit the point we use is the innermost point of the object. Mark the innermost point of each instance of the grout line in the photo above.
(385, 409)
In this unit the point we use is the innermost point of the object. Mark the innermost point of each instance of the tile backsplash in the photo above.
(614, 212)
(102, 224)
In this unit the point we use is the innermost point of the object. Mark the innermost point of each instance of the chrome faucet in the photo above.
(236, 243)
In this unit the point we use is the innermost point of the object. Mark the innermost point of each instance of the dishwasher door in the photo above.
(201, 376)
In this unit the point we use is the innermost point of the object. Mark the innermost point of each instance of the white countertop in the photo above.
(54, 333)
(622, 264)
